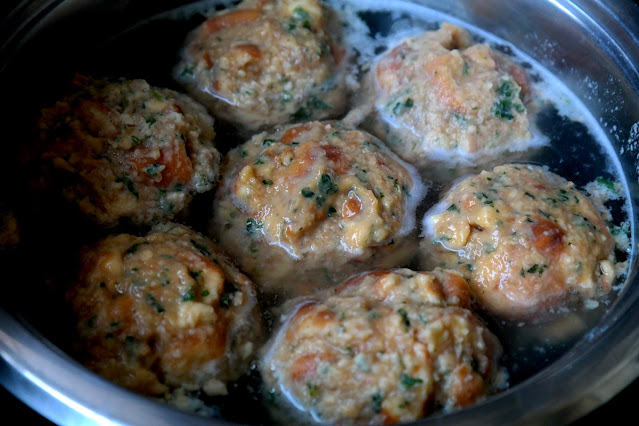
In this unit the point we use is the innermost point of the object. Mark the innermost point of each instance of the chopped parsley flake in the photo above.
(157, 95)
(132, 249)
(205, 251)
(539, 269)
(409, 382)
(399, 106)
(253, 225)
(306, 112)
(485, 199)
(402, 312)
(563, 195)
(129, 185)
(187, 71)
(545, 214)
(153, 169)
(508, 100)
(326, 185)
(377, 398)
(605, 182)
(312, 389)
(189, 295)
(301, 16)
(154, 303)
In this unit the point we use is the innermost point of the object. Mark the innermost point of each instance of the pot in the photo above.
(590, 46)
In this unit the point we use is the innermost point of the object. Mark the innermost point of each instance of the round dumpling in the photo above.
(266, 63)
(384, 347)
(125, 150)
(164, 314)
(525, 238)
(441, 97)
(317, 200)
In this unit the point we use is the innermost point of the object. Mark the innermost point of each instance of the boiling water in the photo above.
(574, 146)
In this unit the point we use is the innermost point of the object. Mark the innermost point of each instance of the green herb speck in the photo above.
(129, 185)
(312, 389)
(205, 251)
(405, 320)
(154, 303)
(253, 225)
(409, 382)
(377, 398)
(189, 295)
(605, 182)
(153, 169)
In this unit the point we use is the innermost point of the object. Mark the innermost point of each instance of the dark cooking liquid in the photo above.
(576, 150)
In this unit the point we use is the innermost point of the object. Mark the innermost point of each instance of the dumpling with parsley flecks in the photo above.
(123, 150)
(164, 314)
(441, 97)
(265, 63)
(526, 239)
(386, 346)
(302, 207)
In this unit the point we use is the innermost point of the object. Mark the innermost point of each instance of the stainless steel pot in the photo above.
(591, 45)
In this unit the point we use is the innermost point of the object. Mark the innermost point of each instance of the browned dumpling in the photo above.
(317, 200)
(384, 347)
(525, 238)
(164, 313)
(265, 63)
(125, 150)
(441, 97)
